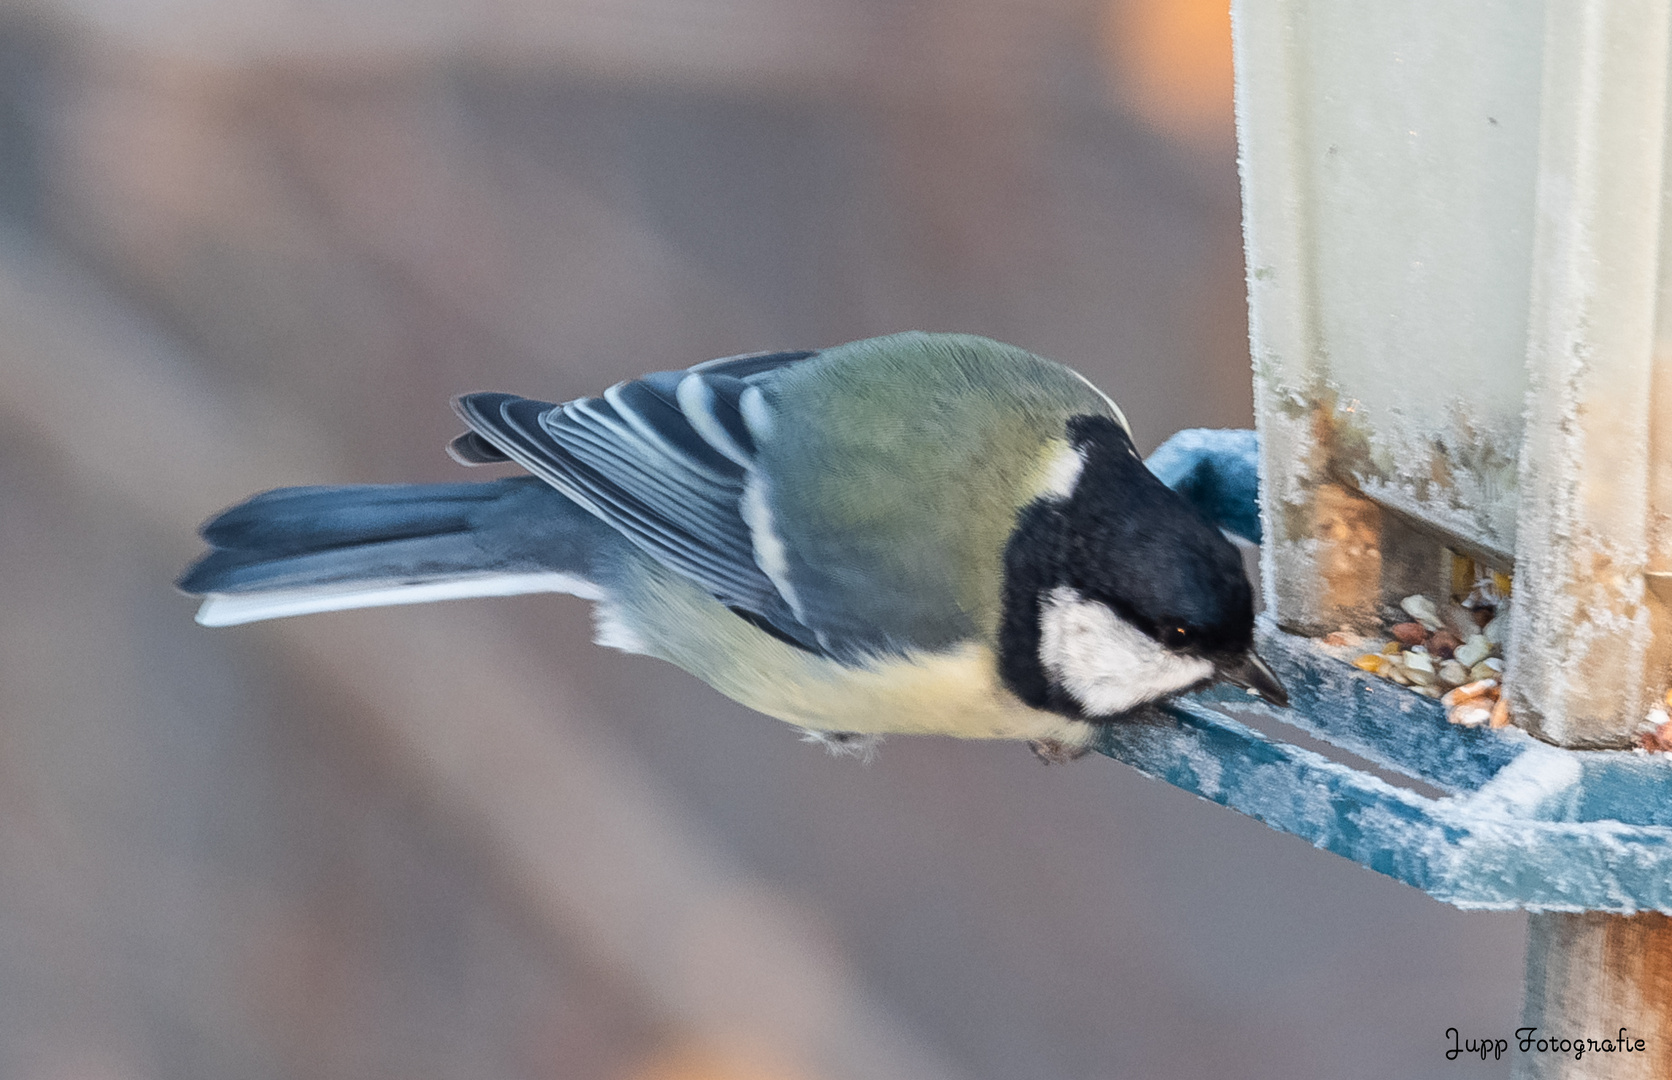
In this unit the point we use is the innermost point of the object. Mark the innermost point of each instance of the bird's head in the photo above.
(1118, 593)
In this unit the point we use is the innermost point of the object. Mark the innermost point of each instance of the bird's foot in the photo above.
(1056, 752)
(844, 743)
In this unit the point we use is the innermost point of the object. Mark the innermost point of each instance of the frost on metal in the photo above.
(1460, 307)
(1388, 158)
(1520, 824)
(1590, 642)
(1459, 238)
(1446, 455)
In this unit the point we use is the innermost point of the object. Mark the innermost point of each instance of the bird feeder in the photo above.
(1460, 295)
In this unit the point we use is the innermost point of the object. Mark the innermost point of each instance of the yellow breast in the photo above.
(953, 692)
(947, 693)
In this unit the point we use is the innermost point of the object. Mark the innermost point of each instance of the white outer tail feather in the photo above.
(233, 609)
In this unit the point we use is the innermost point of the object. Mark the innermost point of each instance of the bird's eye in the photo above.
(1177, 636)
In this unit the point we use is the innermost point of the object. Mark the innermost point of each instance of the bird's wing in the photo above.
(856, 505)
(666, 460)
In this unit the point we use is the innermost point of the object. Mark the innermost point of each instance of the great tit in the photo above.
(919, 533)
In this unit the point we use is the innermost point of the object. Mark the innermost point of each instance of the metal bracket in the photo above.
(1521, 824)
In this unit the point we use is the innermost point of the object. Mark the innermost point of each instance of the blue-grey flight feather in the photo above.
(664, 466)
(298, 550)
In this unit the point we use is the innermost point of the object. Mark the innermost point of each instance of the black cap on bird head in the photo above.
(1118, 593)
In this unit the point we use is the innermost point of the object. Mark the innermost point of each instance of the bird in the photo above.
(921, 533)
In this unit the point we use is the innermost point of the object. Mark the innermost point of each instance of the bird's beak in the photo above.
(1252, 674)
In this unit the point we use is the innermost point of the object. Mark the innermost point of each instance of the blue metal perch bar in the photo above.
(1522, 824)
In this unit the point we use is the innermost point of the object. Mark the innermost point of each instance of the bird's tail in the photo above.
(299, 550)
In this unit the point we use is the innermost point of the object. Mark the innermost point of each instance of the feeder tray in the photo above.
(1521, 824)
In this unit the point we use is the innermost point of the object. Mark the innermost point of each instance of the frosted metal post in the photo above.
(1585, 660)
(1590, 637)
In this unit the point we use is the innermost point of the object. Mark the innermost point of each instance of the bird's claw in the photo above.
(1056, 752)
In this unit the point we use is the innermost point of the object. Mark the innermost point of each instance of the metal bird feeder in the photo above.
(1459, 247)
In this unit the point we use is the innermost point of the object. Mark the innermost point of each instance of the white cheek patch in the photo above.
(1062, 473)
(1105, 664)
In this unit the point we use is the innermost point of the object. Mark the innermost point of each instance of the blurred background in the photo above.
(247, 243)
